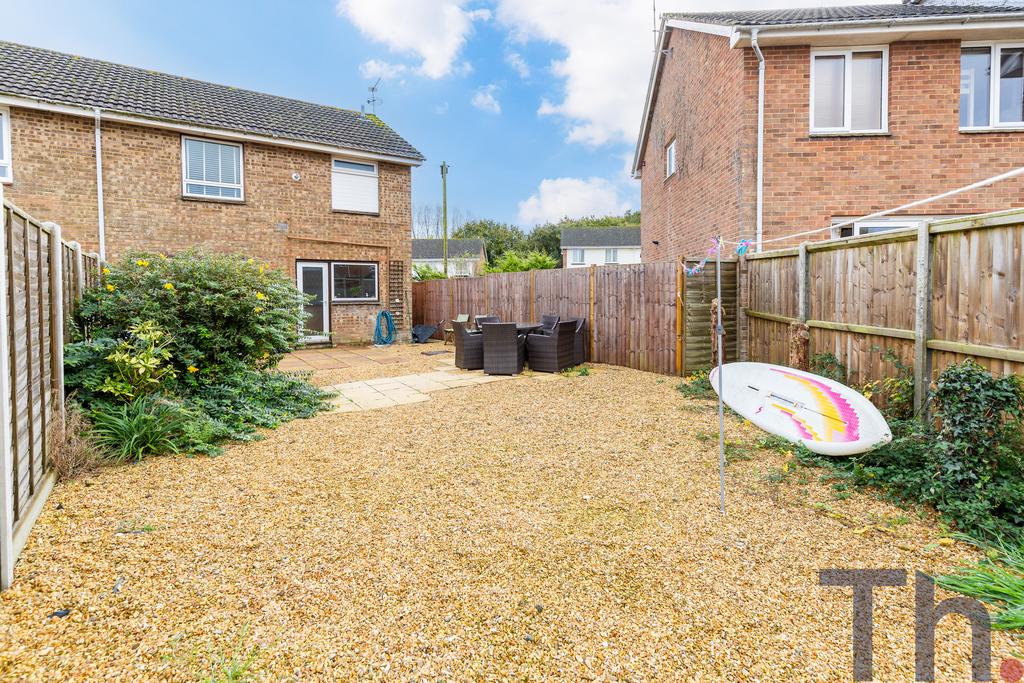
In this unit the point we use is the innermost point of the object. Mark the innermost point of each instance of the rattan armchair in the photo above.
(469, 347)
(547, 323)
(481, 319)
(552, 352)
(504, 349)
(449, 332)
(579, 346)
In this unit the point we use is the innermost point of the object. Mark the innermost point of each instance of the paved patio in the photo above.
(335, 358)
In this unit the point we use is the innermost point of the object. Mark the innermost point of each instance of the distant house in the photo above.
(466, 257)
(128, 159)
(599, 246)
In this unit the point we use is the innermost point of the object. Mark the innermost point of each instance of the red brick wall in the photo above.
(703, 102)
(809, 181)
(54, 179)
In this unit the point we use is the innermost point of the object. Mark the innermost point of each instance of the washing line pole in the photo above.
(719, 333)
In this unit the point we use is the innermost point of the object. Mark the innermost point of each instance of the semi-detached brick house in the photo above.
(863, 109)
(321, 192)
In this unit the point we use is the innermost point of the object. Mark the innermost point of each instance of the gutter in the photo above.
(938, 21)
(760, 137)
(102, 223)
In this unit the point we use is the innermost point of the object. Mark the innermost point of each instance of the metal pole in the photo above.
(720, 332)
(444, 213)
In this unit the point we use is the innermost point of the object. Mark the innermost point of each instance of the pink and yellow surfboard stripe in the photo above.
(841, 422)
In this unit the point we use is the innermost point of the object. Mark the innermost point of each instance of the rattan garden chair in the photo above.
(547, 324)
(579, 346)
(504, 349)
(469, 347)
(481, 319)
(552, 352)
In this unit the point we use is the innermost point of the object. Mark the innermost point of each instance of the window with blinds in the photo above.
(849, 90)
(354, 186)
(211, 169)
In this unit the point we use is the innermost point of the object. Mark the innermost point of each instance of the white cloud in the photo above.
(375, 68)
(484, 99)
(518, 64)
(608, 48)
(433, 30)
(558, 198)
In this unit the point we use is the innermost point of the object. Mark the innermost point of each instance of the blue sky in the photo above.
(533, 103)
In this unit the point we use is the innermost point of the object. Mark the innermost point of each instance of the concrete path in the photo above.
(404, 389)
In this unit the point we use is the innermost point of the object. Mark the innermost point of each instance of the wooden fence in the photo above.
(645, 316)
(934, 295)
(42, 278)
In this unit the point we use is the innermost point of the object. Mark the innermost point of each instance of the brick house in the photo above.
(320, 192)
(863, 109)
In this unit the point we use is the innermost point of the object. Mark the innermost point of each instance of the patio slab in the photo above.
(385, 392)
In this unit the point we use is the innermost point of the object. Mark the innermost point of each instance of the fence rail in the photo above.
(643, 316)
(934, 295)
(42, 279)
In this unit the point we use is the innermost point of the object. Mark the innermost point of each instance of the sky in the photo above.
(534, 104)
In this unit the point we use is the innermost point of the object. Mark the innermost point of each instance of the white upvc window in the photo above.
(850, 90)
(6, 169)
(354, 281)
(670, 159)
(576, 257)
(211, 169)
(991, 85)
(611, 255)
(354, 186)
(870, 227)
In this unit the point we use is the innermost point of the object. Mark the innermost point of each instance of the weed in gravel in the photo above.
(696, 386)
(134, 527)
(233, 666)
(74, 452)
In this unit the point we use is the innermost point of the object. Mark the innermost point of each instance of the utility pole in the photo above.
(444, 212)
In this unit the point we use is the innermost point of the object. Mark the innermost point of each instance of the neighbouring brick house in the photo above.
(864, 109)
(321, 192)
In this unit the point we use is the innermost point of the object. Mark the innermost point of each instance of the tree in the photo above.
(498, 237)
(546, 239)
(427, 220)
(514, 261)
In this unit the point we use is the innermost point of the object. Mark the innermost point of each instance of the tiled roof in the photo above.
(61, 78)
(813, 15)
(434, 249)
(600, 237)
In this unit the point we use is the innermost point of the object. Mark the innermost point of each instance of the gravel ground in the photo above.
(527, 530)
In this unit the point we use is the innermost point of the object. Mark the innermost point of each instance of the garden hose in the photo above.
(380, 338)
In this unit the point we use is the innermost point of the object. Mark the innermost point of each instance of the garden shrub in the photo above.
(221, 309)
(828, 365)
(139, 364)
(145, 426)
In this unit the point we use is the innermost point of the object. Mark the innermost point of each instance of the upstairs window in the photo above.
(354, 186)
(211, 169)
(992, 86)
(849, 90)
(6, 175)
(611, 255)
(670, 159)
(354, 281)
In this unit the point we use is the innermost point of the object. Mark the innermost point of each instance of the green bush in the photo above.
(515, 262)
(139, 364)
(828, 365)
(131, 431)
(969, 465)
(221, 309)
(425, 271)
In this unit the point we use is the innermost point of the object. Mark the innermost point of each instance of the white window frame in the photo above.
(376, 282)
(995, 50)
(848, 53)
(671, 165)
(185, 182)
(614, 251)
(572, 257)
(6, 162)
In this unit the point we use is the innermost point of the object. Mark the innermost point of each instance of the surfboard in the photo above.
(822, 414)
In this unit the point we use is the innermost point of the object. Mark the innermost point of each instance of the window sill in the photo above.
(850, 134)
(211, 200)
(357, 213)
(360, 302)
(992, 129)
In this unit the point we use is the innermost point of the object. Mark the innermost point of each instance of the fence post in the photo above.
(533, 290)
(6, 445)
(592, 327)
(57, 321)
(79, 271)
(679, 316)
(799, 333)
(923, 319)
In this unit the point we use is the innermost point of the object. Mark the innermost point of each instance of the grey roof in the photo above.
(434, 249)
(600, 237)
(61, 78)
(813, 15)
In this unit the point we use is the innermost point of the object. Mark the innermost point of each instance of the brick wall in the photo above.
(811, 180)
(54, 179)
(703, 101)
